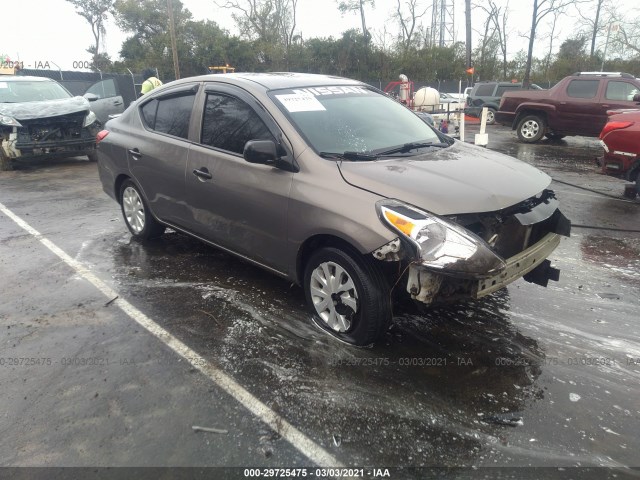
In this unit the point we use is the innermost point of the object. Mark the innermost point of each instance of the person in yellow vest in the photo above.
(150, 81)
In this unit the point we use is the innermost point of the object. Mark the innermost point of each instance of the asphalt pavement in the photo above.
(113, 350)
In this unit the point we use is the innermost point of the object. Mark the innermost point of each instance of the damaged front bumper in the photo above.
(521, 238)
(426, 286)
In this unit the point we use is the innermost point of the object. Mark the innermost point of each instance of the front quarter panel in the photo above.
(322, 203)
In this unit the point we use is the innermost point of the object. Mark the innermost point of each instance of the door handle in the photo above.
(117, 102)
(135, 153)
(202, 174)
(605, 105)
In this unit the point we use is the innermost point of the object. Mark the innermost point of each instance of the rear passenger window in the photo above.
(169, 115)
(229, 123)
(583, 88)
(484, 91)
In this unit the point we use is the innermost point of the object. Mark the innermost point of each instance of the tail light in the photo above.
(101, 135)
(610, 126)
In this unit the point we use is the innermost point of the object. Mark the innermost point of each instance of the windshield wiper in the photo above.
(412, 146)
(349, 156)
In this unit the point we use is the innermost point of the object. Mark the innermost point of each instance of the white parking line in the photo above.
(299, 440)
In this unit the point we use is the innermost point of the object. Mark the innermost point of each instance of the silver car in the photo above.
(333, 185)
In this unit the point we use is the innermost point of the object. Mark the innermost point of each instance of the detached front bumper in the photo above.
(521, 264)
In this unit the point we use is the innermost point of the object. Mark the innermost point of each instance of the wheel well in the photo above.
(314, 243)
(119, 181)
(524, 113)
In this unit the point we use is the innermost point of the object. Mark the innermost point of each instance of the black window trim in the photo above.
(164, 95)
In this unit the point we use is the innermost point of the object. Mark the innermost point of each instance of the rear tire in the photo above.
(136, 213)
(491, 116)
(93, 156)
(531, 129)
(348, 295)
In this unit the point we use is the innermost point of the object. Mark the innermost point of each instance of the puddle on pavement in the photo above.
(621, 256)
(423, 396)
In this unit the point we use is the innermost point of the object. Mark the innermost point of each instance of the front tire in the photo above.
(136, 213)
(348, 295)
(531, 129)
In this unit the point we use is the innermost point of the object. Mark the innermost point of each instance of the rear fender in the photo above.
(531, 108)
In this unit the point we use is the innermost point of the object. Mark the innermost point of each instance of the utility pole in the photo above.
(172, 32)
(467, 13)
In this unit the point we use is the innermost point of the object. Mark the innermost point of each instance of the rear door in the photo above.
(235, 204)
(157, 154)
(577, 113)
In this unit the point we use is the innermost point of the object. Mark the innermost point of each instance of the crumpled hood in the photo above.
(44, 109)
(460, 179)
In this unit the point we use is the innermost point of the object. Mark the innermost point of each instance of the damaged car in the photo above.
(40, 118)
(334, 186)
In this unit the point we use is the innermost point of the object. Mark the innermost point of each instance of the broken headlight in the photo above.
(9, 121)
(441, 244)
(89, 119)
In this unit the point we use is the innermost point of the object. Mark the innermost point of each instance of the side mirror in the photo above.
(636, 97)
(260, 151)
(267, 152)
(92, 97)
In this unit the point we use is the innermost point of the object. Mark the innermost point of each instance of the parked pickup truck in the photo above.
(577, 105)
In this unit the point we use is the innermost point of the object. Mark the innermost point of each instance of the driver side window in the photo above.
(229, 123)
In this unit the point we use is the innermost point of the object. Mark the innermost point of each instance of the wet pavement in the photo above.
(526, 377)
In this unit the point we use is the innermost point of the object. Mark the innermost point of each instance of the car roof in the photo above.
(24, 78)
(272, 81)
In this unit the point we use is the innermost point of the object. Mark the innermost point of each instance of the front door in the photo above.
(235, 204)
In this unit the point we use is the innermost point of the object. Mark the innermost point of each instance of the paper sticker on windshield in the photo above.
(300, 102)
(345, 90)
(4, 85)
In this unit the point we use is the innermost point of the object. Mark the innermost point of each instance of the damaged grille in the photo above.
(513, 229)
(52, 129)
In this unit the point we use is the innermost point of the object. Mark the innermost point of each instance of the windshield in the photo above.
(352, 119)
(25, 91)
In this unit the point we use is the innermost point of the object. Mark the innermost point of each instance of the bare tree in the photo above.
(95, 12)
(501, 20)
(498, 18)
(354, 6)
(624, 30)
(552, 36)
(272, 21)
(541, 8)
(488, 33)
(408, 22)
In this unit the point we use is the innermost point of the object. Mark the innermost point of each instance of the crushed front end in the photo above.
(60, 136)
(472, 255)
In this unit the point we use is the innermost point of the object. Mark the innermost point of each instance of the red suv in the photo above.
(620, 138)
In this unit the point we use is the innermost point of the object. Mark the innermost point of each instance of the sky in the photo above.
(41, 32)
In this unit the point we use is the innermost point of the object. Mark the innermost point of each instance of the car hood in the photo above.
(455, 180)
(44, 109)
